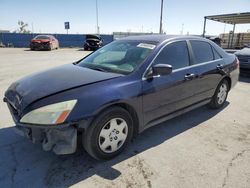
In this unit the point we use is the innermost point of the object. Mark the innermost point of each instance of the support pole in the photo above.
(97, 18)
(160, 31)
(204, 27)
(229, 40)
(232, 37)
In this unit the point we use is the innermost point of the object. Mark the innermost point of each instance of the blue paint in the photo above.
(65, 40)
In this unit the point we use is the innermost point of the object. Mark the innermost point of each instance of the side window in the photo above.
(175, 54)
(216, 54)
(202, 51)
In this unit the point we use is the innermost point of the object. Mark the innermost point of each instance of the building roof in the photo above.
(236, 18)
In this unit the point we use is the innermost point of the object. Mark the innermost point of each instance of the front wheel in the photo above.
(50, 47)
(220, 95)
(109, 134)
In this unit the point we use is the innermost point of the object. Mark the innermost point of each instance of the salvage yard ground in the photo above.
(203, 148)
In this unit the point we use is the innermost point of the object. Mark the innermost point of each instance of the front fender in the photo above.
(93, 98)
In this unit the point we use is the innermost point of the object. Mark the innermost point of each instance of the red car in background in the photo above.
(44, 42)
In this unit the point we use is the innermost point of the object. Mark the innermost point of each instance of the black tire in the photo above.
(91, 137)
(215, 103)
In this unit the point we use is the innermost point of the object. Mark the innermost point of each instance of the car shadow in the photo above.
(67, 170)
(42, 50)
(80, 49)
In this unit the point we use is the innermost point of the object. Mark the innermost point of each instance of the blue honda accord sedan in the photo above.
(115, 93)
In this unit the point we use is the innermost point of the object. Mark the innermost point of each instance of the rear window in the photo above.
(216, 54)
(202, 51)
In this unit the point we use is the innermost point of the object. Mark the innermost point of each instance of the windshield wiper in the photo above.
(97, 68)
(103, 69)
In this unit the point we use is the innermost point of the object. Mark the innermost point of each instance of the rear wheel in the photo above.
(220, 95)
(109, 134)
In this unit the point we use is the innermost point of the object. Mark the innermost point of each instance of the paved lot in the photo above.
(203, 148)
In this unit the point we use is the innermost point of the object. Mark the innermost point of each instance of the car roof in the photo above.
(45, 35)
(160, 38)
(42, 35)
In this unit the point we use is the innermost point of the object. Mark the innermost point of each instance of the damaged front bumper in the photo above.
(59, 139)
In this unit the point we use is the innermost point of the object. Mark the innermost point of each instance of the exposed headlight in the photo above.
(51, 114)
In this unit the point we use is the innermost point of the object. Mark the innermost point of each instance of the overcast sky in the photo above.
(48, 16)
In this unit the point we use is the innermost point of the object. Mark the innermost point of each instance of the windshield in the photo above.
(121, 57)
(41, 37)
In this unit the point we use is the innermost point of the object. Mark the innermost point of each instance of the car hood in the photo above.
(93, 37)
(34, 87)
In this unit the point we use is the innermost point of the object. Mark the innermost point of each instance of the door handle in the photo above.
(221, 70)
(219, 66)
(189, 76)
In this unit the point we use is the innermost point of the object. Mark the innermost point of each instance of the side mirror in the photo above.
(161, 70)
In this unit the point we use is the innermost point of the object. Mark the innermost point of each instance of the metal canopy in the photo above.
(238, 18)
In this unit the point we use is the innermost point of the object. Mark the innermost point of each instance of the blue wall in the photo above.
(65, 40)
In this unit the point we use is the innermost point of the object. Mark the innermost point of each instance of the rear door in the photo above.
(166, 94)
(208, 65)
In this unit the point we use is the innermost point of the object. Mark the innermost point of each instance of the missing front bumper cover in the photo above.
(59, 140)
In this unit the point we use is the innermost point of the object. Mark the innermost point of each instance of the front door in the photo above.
(166, 94)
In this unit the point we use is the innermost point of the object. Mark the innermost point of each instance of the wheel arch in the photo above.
(126, 107)
(228, 79)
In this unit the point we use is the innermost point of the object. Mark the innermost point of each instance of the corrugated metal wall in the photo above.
(65, 40)
(238, 41)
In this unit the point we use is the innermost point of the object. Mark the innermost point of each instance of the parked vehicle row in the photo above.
(49, 42)
(119, 91)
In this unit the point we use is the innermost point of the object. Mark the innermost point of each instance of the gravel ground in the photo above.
(202, 148)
